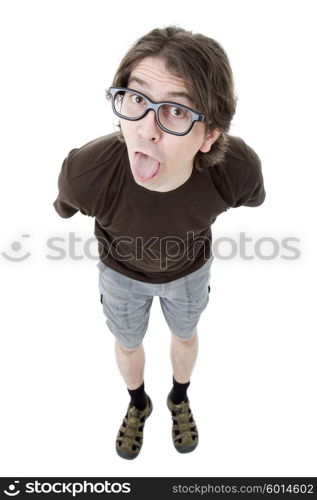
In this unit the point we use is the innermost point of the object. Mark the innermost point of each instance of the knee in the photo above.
(127, 350)
(189, 340)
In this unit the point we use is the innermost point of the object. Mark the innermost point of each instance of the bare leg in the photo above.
(183, 357)
(131, 365)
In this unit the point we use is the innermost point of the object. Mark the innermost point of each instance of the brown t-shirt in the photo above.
(154, 236)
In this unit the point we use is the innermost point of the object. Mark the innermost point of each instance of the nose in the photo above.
(148, 128)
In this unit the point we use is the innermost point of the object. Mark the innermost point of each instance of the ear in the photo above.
(210, 138)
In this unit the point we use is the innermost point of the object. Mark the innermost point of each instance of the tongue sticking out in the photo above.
(144, 167)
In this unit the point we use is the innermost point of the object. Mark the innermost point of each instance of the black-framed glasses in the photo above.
(171, 117)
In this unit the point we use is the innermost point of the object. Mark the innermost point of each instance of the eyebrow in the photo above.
(169, 94)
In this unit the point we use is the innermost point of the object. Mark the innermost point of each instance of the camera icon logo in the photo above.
(13, 492)
(16, 246)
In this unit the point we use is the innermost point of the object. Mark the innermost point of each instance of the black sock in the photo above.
(179, 392)
(138, 397)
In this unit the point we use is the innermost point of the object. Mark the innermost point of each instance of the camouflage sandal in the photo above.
(130, 436)
(184, 430)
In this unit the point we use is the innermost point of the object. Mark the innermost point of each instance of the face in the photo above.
(169, 158)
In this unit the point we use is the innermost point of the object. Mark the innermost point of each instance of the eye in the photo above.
(137, 99)
(178, 112)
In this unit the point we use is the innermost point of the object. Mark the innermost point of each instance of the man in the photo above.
(154, 190)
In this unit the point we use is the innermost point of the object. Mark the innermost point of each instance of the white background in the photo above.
(253, 388)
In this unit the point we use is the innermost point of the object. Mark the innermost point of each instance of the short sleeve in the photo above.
(238, 178)
(252, 193)
(67, 204)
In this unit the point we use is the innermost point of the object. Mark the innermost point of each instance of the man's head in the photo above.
(172, 64)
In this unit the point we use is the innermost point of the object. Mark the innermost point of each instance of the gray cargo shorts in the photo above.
(127, 302)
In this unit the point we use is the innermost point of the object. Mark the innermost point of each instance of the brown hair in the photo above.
(204, 66)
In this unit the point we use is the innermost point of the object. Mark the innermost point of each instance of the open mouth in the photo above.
(144, 167)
